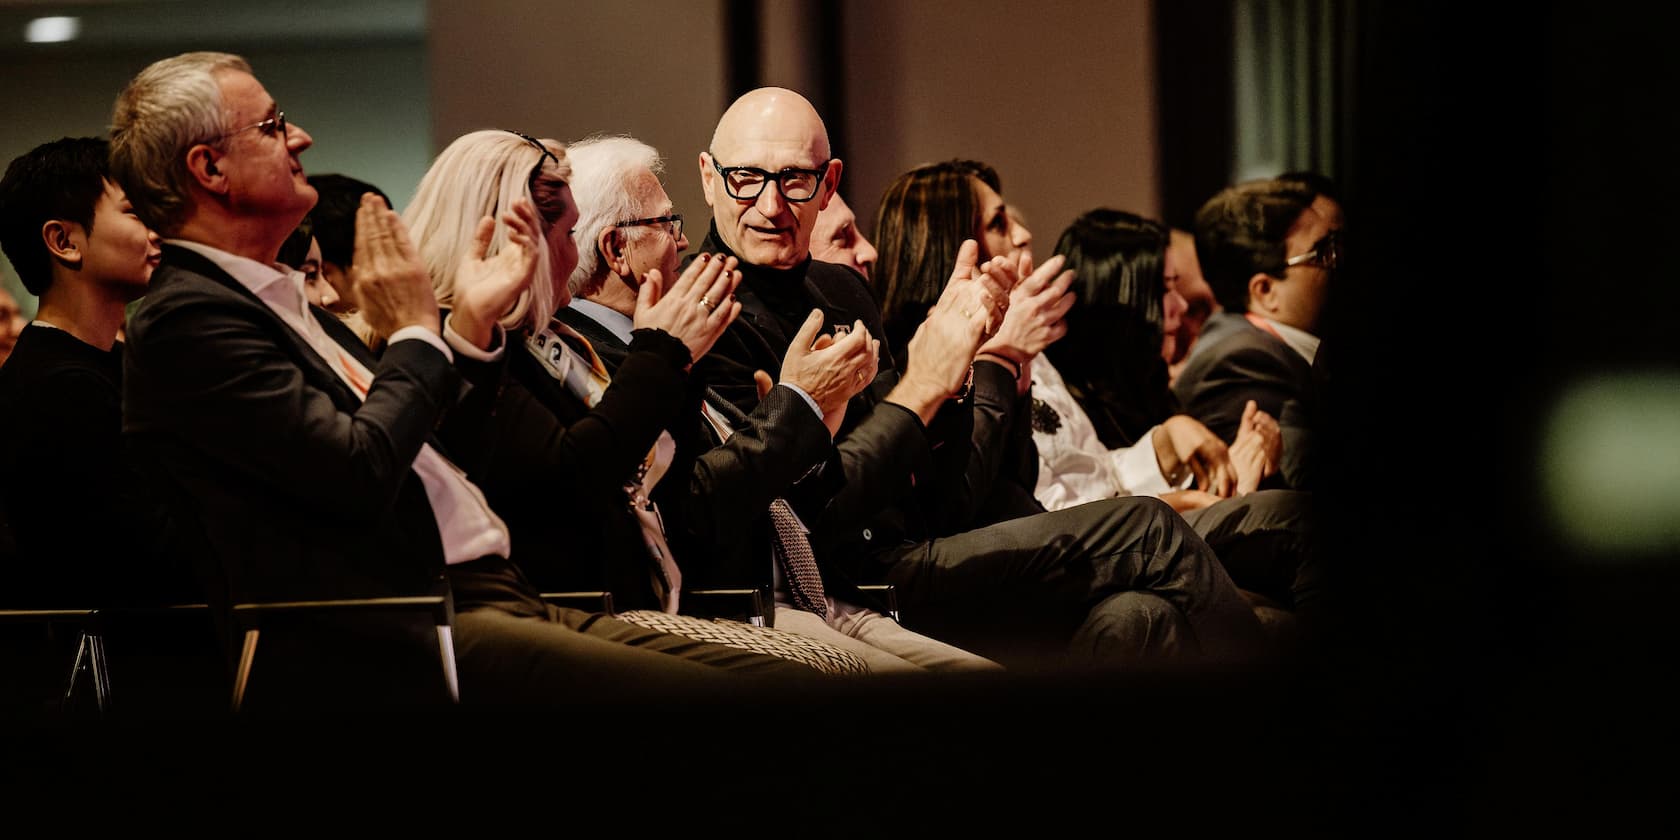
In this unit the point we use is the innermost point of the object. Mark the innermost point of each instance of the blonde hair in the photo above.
(482, 174)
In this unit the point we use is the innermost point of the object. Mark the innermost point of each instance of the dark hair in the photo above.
(925, 215)
(1241, 231)
(1110, 358)
(296, 247)
(1312, 182)
(59, 180)
(333, 221)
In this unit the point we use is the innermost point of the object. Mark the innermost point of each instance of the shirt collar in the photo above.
(273, 283)
(617, 323)
(1300, 340)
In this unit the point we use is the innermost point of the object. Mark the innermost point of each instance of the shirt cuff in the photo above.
(498, 342)
(1138, 469)
(807, 397)
(423, 334)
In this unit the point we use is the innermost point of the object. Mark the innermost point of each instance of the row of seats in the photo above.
(182, 636)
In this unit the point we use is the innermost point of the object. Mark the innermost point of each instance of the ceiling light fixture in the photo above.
(52, 30)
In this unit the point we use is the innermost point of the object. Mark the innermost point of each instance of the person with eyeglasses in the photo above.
(1270, 257)
(1118, 583)
(732, 466)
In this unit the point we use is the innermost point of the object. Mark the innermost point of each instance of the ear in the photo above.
(610, 242)
(56, 235)
(833, 179)
(1261, 293)
(201, 163)
(707, 173)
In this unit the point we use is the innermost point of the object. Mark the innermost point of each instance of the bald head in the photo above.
(776, 131)
(774, 116)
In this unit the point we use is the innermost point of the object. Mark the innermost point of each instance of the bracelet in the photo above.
(1014, 366)
(968, 387)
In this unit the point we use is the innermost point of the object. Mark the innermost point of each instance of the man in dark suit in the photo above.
(1117, 581)
(1269, 256)
(301, 466)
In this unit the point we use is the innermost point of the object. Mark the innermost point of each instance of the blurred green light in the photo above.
(1610, 463)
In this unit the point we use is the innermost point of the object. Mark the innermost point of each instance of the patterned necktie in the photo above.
(799, 564)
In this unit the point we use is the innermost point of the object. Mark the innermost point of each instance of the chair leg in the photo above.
(247, 653)
(76, 669)
(101, 671)
(446, 650)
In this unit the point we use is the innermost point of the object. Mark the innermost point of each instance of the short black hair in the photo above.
(1313, 182)
(333, 220)
(1242, 231)
(59, 180)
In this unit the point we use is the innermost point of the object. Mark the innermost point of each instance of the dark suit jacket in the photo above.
(903, 483)
(716, 497)
(289, 486)
(1235, 361)
(558, 474)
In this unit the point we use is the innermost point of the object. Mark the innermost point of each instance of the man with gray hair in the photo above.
(747, 469)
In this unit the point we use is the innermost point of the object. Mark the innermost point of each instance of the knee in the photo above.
(1134, 626)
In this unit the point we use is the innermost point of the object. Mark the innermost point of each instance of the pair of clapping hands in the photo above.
(1001, 310)
(1221, 471)
(393, 289)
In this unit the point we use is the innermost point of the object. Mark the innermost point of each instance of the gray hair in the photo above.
(169, 107)
(603, 169)
(482, 174)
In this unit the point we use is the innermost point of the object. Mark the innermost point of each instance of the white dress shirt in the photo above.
(468, 527)
(1073, 465)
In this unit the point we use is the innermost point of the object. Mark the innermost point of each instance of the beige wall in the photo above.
(1057, 95)
(364, 103)
(653, 69)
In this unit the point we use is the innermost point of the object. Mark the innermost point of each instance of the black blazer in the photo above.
(287, 485)
(558, 473)
(902, 481)
(716, 497)
(1235, 361)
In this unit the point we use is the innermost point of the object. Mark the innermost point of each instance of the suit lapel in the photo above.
(320, 374)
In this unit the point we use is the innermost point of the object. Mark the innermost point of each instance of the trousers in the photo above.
(513, 647)
(1122, 581)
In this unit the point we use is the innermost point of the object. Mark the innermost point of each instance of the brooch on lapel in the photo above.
(1044, 418)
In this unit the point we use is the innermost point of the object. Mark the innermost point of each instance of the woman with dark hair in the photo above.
(1111, 357)
(925, 216)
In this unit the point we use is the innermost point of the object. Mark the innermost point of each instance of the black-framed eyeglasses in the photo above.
(746, 183)
(271, 126)
(1326, 253)
(673, 224)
